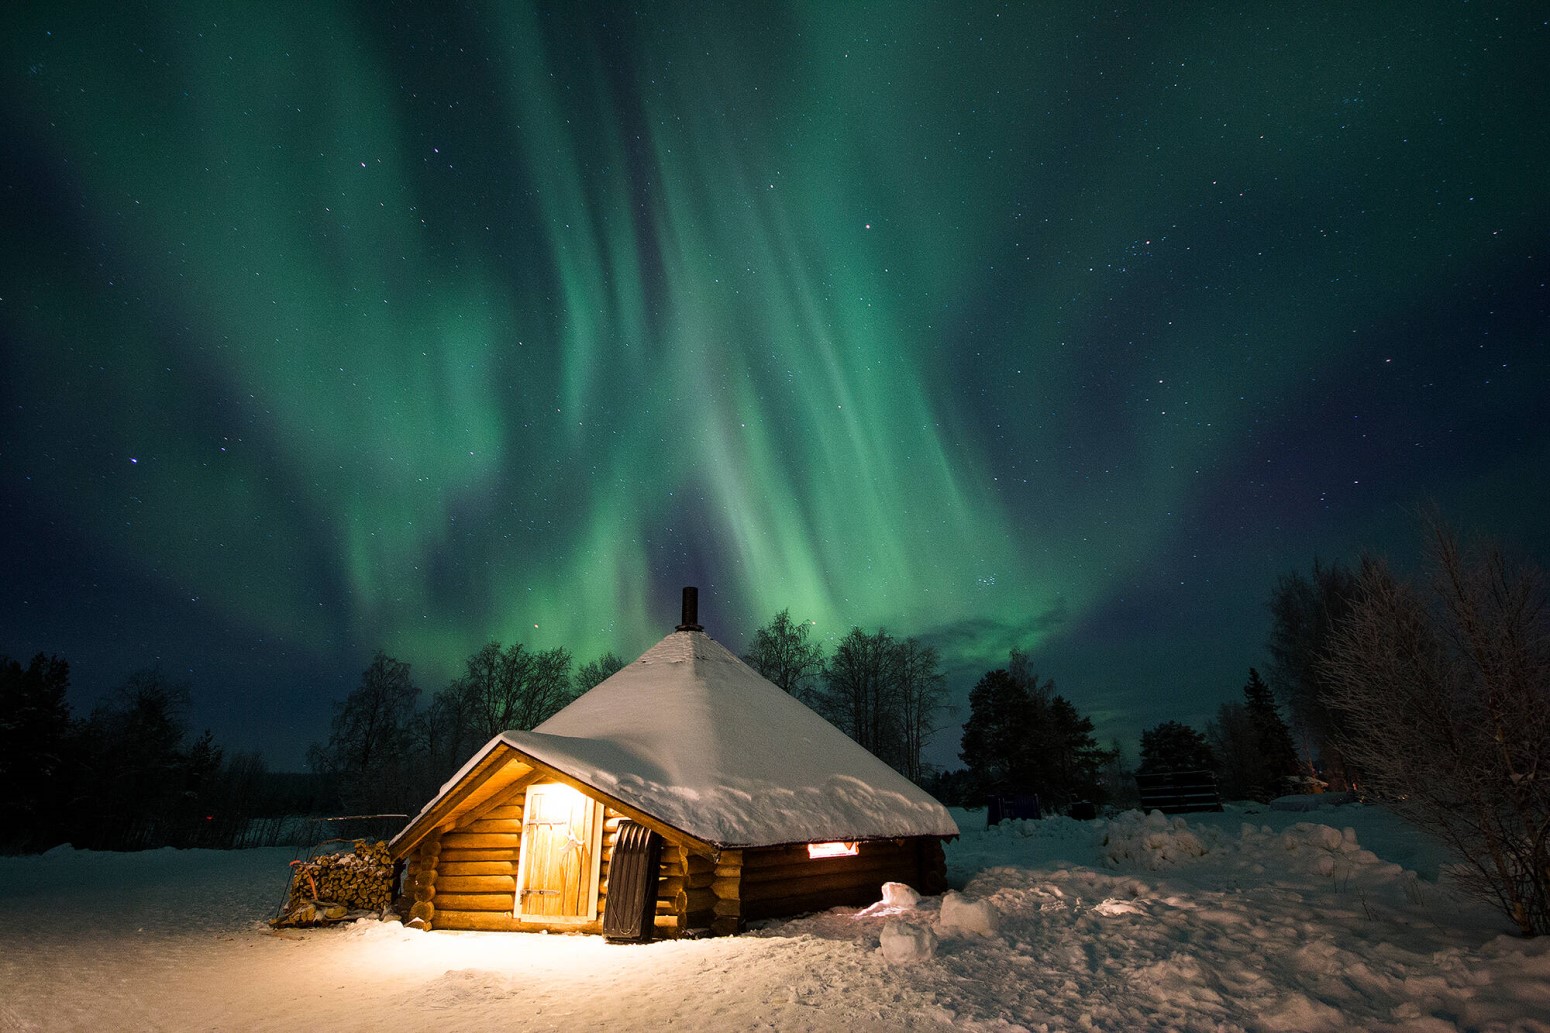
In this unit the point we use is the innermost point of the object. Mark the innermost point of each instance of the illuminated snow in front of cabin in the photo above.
(694, 737)
(1247, 920)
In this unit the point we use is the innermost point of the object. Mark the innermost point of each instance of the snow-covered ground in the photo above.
(1253, 919)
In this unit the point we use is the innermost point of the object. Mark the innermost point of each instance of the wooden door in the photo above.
(558, 868)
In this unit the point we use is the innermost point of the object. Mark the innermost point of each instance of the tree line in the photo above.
(387, 754)
(890, 696)
(129, 775)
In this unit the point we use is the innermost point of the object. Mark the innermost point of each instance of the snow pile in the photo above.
(1279, 922)
(905, 944)
(1154, 840)
(897, 897)
(965, 917)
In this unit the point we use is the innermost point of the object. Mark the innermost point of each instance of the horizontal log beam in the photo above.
(505, 810)
(465, 855)
(865, 883)
(450, 868)
(481, 841)
(475, 921)
(829, 866)
(694, 900)
(474, 902)
(446, 883)
(781, 907)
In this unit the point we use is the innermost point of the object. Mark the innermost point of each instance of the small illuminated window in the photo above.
(816, 850)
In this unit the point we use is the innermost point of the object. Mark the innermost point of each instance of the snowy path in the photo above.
(1279, 924)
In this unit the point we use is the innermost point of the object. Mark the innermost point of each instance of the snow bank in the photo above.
(1279, 922)
(1154, 840)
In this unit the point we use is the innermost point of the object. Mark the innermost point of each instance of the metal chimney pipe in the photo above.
(691, 610)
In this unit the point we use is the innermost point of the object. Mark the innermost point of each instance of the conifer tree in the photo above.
(1172, 746)
(1275, 756)
(1023, 737)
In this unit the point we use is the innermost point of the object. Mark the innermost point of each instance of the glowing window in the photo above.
(817, 850)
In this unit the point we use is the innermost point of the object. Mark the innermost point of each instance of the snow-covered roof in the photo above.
(694, 737)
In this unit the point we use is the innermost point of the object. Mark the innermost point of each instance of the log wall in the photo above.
(781, 881)
(466, 877)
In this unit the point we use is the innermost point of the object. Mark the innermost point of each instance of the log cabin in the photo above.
(685, 795)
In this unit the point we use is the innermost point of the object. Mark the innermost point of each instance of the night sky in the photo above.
(332, 327)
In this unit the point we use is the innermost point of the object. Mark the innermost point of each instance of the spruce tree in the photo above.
(1022, 737)
(1276, 756)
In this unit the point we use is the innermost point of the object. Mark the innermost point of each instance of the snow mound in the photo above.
(906, 944)
(966, 917)
(1151, 840)
(897, 897)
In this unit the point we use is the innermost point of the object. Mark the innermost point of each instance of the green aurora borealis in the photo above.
(331, 327)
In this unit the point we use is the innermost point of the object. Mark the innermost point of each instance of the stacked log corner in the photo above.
(684, 898)
(420, 882)
(727, 889)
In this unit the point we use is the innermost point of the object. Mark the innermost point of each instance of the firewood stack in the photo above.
(337, 887)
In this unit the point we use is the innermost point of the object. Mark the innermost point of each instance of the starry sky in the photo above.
(332, 327)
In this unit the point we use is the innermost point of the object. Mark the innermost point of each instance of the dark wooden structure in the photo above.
(1178, 792)
(475, 862)
(643, 810)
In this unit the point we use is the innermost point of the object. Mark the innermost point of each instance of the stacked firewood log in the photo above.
(336, 887)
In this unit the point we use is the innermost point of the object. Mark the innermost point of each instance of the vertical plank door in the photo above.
(557, 873)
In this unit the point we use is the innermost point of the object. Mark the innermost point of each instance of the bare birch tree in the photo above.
(782, 653)
(513, 687)
(1445, 696)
